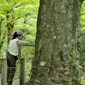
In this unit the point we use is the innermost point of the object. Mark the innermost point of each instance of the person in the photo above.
(12, 54)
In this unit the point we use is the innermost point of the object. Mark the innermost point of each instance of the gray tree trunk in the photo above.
(58, 38)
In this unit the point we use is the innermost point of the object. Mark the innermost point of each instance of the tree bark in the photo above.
(56, 60)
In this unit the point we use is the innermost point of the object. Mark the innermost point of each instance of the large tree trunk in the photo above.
(56, 59)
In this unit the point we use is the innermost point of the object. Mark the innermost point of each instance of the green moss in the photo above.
(82, 80)
(67, 82)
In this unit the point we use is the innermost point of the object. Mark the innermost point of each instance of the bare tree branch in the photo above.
(18, 5)
(23, 15)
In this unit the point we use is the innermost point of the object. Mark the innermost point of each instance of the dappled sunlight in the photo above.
(82, 17)
(82, 52)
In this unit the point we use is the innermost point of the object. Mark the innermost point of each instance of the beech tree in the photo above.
(58, 40)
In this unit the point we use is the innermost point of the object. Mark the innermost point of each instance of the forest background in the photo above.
(22, 15)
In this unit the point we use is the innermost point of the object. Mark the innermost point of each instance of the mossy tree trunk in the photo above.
(56, 60)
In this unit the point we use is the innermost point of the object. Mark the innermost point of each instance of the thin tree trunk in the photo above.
(10, 25)
(1, 38)
(56, 59)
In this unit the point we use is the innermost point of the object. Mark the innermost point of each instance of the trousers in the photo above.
(11, 63)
